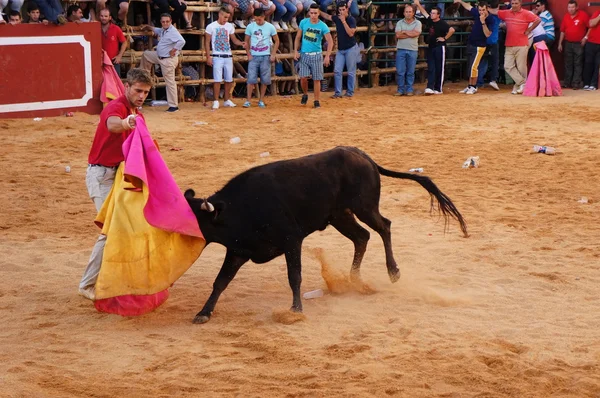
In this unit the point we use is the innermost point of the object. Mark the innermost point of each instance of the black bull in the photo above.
(267, 211)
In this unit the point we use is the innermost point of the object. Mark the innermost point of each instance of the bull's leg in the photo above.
(230, 267)
(382, 226)
(293, 257)
(346, 224)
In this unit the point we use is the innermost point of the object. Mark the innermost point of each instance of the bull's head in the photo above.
(203, 209)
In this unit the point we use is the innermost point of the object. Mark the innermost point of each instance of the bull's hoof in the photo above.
(394, 275)
(199, 319)
(296, 309)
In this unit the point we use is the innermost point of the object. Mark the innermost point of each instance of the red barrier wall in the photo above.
(50, 70)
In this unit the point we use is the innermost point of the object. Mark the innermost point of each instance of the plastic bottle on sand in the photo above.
(313, 294)
(235, 140)
(548, 150)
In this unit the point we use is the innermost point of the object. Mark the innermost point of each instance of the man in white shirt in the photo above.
(217, 36)
(166, 55)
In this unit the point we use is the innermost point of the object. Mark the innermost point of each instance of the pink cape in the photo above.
(165, 209)
(112, 87)
(542, 80)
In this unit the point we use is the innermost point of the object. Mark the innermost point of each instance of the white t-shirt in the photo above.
(219, 37)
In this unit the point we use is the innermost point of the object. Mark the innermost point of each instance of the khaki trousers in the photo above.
(515, 63)
(167, 67)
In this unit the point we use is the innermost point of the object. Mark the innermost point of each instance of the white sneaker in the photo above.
(284, 25)
(514, 90)
(592, 88)
(494, 85)
(240, 23)
(229, 104)
(471, 90)
(429, 91)
(464, 91)
(521, 89)
(586, 88)
(215, 105)
(438, 92)
(293, 23)
(88, 292)
(276, 25)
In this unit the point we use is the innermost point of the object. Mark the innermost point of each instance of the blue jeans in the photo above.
(349, 58)
(354, 11)
(492, 56)
(284, 12)
(406, 61)
(50, 8)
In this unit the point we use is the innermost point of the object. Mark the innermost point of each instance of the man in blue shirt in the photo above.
(347, 53)
(492, 54)
(169, 44)
(311, 31)
(477, 42)
(261, 52)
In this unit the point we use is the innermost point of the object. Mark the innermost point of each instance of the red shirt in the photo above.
(516, 25)
(594, 36)
(575, 27)
(111, 40)
(107, 147)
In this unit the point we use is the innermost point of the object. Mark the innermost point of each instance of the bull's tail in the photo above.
(445, 205)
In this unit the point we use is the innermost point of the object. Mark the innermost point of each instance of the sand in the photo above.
(511, 311)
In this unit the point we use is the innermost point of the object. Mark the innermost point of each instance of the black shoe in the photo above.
(316, 104)
(304, 99)
(172, 109)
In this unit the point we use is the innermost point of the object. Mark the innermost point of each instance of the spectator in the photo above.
(408, 31)
(74, 13)
(541, 10)
(261, 53)
(122, 13)
(191, 91)
(389, 10)
(33, 11)
(218, 34)
(592, 54)
(492, 54)
(519, 23)
(572, 31)
(267, 6)
(439, 32)
(113, 39)
(310, 33)
(166, 55)
(284, 12)
(88, 13)
(178, 6)
(477, 42)
(324, 6)
(301, 5)
(14, 17)
(347, 50)
(15, 5)
(52, 10)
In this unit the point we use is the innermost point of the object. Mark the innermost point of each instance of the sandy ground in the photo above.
(511, 311)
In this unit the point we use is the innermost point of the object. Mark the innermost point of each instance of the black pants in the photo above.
(591, 65)
(436, 60)
(163, 8)
(573, 64)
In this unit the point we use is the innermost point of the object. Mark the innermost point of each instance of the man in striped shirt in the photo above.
(541, 10)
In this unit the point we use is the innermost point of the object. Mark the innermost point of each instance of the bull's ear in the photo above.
(189, 193)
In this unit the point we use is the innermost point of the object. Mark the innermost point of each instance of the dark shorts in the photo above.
(474, 55)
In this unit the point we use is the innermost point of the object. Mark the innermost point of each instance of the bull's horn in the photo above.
(207, 206)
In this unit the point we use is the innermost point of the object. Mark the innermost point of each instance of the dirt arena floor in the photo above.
(511, 311)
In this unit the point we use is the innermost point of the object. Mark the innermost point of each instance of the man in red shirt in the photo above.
(592, 54)
(117, 121)
(572, 30)
(519, 23)
(112, 36)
